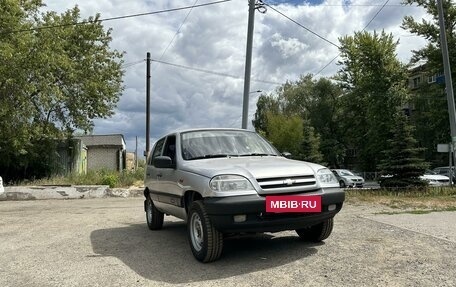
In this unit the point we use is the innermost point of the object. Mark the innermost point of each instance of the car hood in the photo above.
(434, 177)
(256, 167)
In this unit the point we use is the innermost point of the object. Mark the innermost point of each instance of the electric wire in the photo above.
(114, 18)
(211, 72)
(300, 25)
(365, 27)
(128, 65)
(175, 34)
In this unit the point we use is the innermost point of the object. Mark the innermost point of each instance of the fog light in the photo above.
(240, 218)
(331, 207)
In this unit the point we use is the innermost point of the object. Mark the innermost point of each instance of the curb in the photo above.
(16, 193)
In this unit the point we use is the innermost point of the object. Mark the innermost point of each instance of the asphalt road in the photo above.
(105, 242)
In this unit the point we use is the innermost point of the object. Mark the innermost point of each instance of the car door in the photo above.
(151, 178)
(171, 190)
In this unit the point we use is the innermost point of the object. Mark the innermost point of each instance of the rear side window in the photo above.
(157, 150)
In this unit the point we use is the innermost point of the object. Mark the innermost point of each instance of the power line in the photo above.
(178, 30)
(211, 72)
(365, 27)
(115, 18)
(302, 26)
(376, 14)
(128, 65)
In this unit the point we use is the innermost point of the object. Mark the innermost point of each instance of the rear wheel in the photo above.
(317, 232)
(206, 242)
(153, 216)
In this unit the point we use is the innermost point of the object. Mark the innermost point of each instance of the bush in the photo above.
(99, 177)
(394, 182)
(110, 179)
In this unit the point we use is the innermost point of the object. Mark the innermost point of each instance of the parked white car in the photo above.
(434, 179)
(347, 178)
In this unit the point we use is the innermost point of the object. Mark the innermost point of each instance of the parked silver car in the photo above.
(347, 178)
(445, 170)
(231, 181)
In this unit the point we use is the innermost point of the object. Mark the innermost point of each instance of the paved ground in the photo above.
(105, 242)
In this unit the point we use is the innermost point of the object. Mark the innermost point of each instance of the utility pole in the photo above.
(146, 152)
(248, 63)
(136, 154)
(448, 80)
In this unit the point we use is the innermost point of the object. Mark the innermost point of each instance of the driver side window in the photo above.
(157, 150)
(170, 148)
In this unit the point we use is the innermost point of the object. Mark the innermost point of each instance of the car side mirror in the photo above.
(286, 154)
(163, 162)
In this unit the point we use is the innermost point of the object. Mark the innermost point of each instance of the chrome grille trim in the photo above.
(287, 182)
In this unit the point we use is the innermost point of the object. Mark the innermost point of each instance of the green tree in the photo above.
(52, 81)
(375, 86)
(429, 29)
(430, 115)
(285, 133)
(403, 160)
(310, 147)
(317, 104)
(265, 104)
(326, 115)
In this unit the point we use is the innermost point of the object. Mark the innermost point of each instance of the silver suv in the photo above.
(230, 181)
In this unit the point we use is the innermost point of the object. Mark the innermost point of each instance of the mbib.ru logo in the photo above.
(278, 204)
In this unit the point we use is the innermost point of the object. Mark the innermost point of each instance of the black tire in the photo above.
(342, 184)
(154, 217)
(317, 233)
(206, 242)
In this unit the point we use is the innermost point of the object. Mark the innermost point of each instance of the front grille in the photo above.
(286, 182)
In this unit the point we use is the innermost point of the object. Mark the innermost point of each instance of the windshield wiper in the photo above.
(258, 154)
(212, 156)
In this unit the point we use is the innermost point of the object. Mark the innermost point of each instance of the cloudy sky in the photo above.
(213, 38)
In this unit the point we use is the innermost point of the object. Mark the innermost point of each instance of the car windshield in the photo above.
(345, 172)
(224, 143)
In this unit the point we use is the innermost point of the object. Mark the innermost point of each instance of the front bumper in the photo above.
(222, 210)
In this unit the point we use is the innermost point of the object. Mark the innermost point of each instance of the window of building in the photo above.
(416, 82)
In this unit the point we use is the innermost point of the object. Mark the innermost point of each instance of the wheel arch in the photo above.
(189, 197)
(146, 192)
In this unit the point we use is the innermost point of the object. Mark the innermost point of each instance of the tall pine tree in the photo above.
(402, 158)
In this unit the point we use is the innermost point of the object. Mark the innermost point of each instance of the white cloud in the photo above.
(213, 38)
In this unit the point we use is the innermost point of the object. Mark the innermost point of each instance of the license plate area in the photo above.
(293, 203)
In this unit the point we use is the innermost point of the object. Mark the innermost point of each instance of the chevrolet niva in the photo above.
(225, 182)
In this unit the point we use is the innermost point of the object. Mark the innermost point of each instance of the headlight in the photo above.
(230, 183)
(326, 178)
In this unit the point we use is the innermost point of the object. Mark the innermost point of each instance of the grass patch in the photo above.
(418, 211)
(100, 177)
(416, 201)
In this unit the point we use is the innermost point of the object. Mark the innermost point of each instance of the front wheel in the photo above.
(342, 184)
(317, 232)
(206, 242)
(153, 216)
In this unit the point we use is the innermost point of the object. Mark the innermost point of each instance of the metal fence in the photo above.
(369, 175)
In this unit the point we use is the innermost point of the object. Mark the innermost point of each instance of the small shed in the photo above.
(105, 151)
